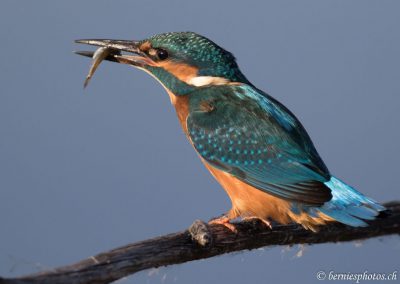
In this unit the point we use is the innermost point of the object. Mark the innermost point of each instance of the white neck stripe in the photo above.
(207, 80)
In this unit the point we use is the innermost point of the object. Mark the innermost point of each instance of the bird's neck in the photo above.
(179, 91)
(173, 85)
(184, 83)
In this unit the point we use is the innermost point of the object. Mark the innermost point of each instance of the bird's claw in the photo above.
(225, 221)
(265, 222)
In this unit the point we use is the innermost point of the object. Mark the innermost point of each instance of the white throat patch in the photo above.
(207, 80)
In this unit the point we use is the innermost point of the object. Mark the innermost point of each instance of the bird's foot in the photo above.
(225, 221)
(265, 222)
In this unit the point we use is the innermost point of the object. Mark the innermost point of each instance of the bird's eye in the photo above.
(162, 54)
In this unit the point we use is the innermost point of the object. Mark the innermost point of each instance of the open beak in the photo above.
(111, 50)
(114, 51)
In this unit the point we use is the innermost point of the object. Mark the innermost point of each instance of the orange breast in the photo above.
(181, 104)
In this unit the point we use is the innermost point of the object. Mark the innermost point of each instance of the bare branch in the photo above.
(203, 241)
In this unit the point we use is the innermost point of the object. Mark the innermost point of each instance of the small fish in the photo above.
(98, 56)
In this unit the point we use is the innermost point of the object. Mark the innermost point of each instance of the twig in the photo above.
(203, 241)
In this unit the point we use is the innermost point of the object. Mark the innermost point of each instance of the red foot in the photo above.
(225, 221)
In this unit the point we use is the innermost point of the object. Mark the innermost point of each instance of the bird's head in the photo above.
(181, 61)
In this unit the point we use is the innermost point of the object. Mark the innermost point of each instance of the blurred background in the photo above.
(84, 171)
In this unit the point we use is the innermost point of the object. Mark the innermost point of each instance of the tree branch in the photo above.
(203, 241)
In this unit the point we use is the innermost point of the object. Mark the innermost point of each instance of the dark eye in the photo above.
(162, 54)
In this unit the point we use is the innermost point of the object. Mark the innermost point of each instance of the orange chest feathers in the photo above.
(181, 104)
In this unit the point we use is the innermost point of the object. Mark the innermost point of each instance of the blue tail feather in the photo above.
(349, 206)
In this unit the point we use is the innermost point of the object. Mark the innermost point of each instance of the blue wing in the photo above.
(246, 133)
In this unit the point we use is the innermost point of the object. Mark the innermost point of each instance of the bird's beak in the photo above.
(114, 50)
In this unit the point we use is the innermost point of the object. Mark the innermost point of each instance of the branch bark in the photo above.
(203, 241)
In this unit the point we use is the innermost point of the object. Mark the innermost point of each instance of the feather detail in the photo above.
(349, 206)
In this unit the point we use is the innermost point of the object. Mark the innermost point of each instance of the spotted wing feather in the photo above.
(243, 132)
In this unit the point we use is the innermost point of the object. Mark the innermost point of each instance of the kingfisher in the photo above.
(252, 144)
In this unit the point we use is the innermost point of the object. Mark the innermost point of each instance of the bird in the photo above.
(251, 144)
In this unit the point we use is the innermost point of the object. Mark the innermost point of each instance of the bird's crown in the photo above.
(192, 47)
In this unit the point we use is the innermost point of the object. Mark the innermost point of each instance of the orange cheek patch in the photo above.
(145, 46)
(183, 72)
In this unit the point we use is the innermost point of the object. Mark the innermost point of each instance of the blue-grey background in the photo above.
(84, 171)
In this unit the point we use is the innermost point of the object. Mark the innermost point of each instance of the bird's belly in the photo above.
(248, 201)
